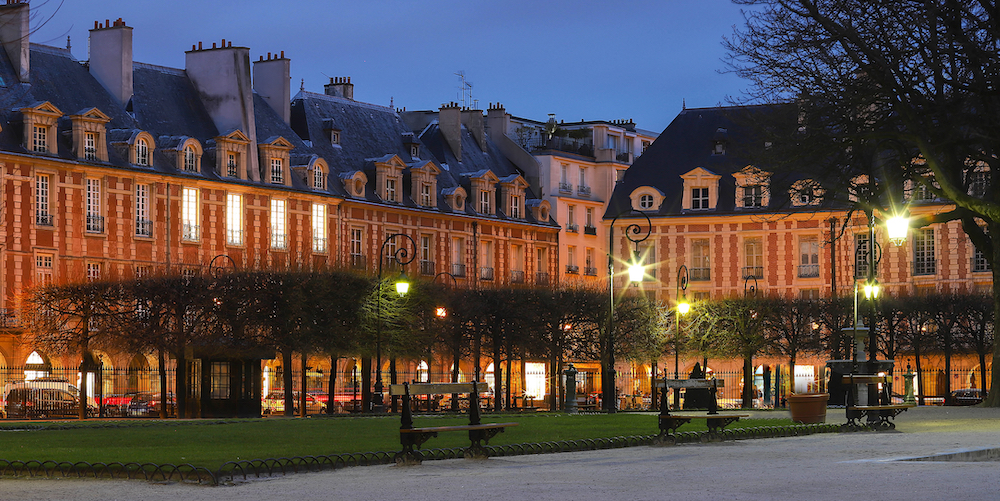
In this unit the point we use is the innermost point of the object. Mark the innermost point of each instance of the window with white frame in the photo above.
(515, 206)
(808, 257)
(190, 159)
(571, 266)
(701, 264)
(571, 218)
(279, 232)
(39, 139)
(232, 167)
(590, 217)
(484, 202)
(699, 198)
(589, 266)
(318, 178)
(234, 219)
(43, 215)
(141, 152)
(95, 218)
(90, 145)
(923, 252)
(390, 189)
(583, 177)
(357, 248)
(458, 256)
(43, 269)
(93, 272)
(219, 378)
(319, 227)
(753, 196)
(277, 171)
(979, 262)
(143, 222)
(426, 255)
(486, 260)
(646, 201)
(190, 229)
(753, 258)
(425, 194)
(979, 182)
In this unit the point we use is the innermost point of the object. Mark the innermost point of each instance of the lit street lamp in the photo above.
(402, 256)
(683, 307)
(636, 273)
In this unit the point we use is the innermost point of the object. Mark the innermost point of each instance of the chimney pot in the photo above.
(268, 56)
(213, 45)
(282, 54)
(223, 42)
(199, 45)
(97, 24)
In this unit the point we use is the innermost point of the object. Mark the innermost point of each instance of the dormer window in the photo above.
(646, 202)
(319, 178)
(90, 146)
(142, 153)
(753, 196)
(89, 129)
(719, 149)
(334, 137)
(425, 194)
(190, 159)
(484, 202)
(699, 198)
(232, 167)
(359, 188)
(39, 139)
(277, 171)
(40, 128)
(515, 207)
(231, 154)
(415, 151)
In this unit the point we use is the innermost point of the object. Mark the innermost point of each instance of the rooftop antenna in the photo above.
(465, 92)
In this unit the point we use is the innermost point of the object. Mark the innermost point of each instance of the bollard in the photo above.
(570, 403)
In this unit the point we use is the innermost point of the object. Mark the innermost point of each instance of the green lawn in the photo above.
(211, 443)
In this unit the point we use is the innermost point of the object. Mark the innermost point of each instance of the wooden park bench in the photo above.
(877, 416)
(670, 422)
(412, 438)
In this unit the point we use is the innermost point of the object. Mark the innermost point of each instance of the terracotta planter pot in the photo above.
(808, 407)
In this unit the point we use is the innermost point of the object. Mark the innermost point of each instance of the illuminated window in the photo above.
(143, 224)
(190, 229)
(219, 374)
(95, 220)
(318, 178)
(279, 235)
(319, 227)
(234, 219)
(231, 167)
(43, 216)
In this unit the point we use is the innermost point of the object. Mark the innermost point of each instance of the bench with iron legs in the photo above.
(412, 438)
(878, 414)
(670, 422)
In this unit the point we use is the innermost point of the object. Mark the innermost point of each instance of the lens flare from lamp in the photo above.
(441, 312)
(402, 287)
(872, 290)
(683, 307)
(897, 227)
(636, 272)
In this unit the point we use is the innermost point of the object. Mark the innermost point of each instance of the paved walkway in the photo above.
(816, 467)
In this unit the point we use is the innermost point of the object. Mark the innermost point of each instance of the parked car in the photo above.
(274, 403)
(967, 396)
(43, 403)
(147, 404)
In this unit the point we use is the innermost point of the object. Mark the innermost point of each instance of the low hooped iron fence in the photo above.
(235, 471)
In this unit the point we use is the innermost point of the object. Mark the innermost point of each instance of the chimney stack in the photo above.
(111, 58)
(340, 87)
(450, 123)
(497, 121)
(14, 29)
(473, 121)
(272, 79)
(222, 78)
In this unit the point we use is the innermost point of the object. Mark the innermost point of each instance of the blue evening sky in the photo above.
(578, 59)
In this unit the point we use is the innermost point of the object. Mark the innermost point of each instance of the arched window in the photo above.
(318, 178)
(646, 201)
(190, 159)
(141, 152)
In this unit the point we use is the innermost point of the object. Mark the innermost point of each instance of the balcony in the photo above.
(541, 278)
(808, 270)
(516, 276)
(95, 224)
(427, 267)
(753, 272)
(590, 230)
(458, 269)
(590, 271)
(572, 228)
(582, 146)
(143, 228)
(700, 274)
(357, 261)
(583, 191)
(565, 188)
(43, 219)
(572, 268)
(486, 273)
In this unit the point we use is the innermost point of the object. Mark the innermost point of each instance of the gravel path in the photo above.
(815, 467)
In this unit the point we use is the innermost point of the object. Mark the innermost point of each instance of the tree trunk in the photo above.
(162, 373)
(302, 386)
(286, 380)
(366, 384)
(993, 398)
(921, 386)
(747, 383)
(331, 394)
(180, 382)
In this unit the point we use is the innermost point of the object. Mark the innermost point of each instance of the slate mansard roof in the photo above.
(687, 144)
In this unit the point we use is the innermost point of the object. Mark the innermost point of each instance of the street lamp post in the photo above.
(636, 273)
(402, 256)
(683, 307)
